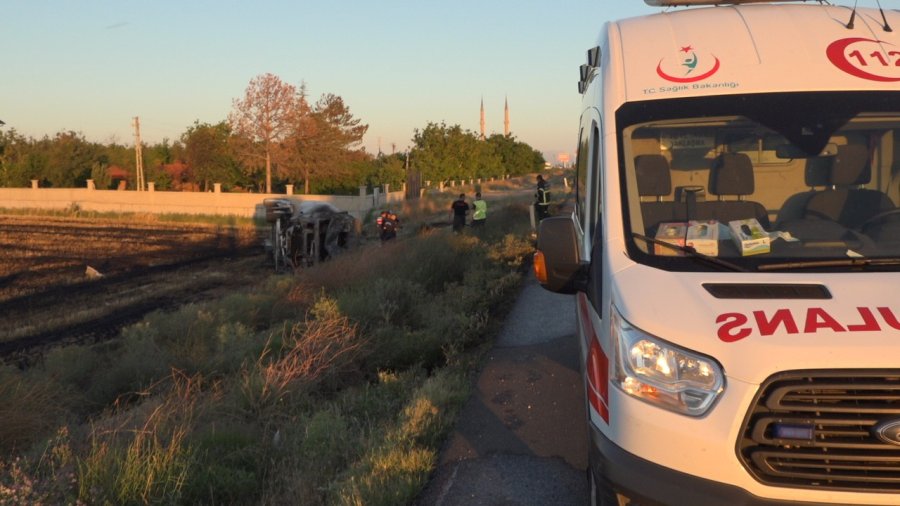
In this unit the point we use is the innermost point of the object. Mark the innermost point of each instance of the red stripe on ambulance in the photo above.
(736, 326)
(597, 364)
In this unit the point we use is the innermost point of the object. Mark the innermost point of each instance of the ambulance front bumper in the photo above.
(650, 484)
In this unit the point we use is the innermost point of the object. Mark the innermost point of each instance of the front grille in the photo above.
(819, 429)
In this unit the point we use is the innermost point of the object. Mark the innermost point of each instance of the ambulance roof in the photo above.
(754, 48)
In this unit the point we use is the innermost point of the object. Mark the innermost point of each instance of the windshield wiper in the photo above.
(690, 252)
(840, 262)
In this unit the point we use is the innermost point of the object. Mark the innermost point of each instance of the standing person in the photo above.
(458, 211)
(479, 215)
(542, 198)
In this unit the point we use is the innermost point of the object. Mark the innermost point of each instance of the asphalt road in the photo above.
(521, 438)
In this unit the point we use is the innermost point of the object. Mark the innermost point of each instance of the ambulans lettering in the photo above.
(736, 326)
(869, 59)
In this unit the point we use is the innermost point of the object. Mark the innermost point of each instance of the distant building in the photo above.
(482, 119)
(117, 173)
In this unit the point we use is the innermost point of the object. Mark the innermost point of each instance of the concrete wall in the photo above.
(165, 202)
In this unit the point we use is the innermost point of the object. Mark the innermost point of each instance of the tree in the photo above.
(325, 141)
(15, 151)
(208, 151)
(69, 159)
(265, 117)
(386, 169)
(516, 158)
(443, 153)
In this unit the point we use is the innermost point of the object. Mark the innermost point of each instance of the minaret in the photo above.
(482, 118)
(505, 117)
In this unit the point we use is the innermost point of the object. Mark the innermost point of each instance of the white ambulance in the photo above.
(734, 249)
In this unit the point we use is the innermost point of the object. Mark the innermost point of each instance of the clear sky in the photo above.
(90, 66)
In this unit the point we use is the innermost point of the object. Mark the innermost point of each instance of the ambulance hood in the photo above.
(755, 49)
(855, 325)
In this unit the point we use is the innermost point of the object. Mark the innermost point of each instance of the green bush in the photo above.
(399, 464)
(328, 441)
(228, 466)
(133, 367)
(29, 409)
(398, 349)
(436, 260)
(72, 365)
(384, 301)
(372, 404)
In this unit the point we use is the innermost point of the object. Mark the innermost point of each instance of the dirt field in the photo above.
(81, 279)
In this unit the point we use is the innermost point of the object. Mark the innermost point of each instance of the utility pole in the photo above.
(138, 158)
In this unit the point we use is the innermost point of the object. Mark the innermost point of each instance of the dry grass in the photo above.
(147, 458)
(324, 345)
(296, 414)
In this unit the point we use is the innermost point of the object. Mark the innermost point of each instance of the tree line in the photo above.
(274, 136)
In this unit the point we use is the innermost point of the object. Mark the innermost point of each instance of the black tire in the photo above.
(601, 494)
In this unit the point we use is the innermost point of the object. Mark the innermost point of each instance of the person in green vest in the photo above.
(480, 214)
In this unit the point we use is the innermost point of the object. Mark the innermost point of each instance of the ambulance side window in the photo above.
(596, 179)
(581, 180)
(595, 283)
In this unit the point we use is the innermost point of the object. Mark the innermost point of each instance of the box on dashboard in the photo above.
(703, 236)
(749, 236)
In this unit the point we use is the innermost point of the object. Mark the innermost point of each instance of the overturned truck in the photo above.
(307, 232)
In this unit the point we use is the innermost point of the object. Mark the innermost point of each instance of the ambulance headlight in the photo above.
(663, 374)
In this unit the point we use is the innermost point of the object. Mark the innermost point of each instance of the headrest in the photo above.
(851, 165)
(731, 174)
(653, 175)
(818, 171)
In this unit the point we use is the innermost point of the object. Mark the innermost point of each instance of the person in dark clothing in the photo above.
(542, 198)
(458, 211)
(388, 223)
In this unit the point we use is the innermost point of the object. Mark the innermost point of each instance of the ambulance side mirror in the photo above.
(557, 265)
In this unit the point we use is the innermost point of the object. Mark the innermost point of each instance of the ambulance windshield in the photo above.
(776, 179)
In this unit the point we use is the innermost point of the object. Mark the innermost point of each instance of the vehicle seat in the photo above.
(816, 174)
(655, 180)
(732, 174)
(846, 202)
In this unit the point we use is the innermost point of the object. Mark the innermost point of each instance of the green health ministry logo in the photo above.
(689, 68)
